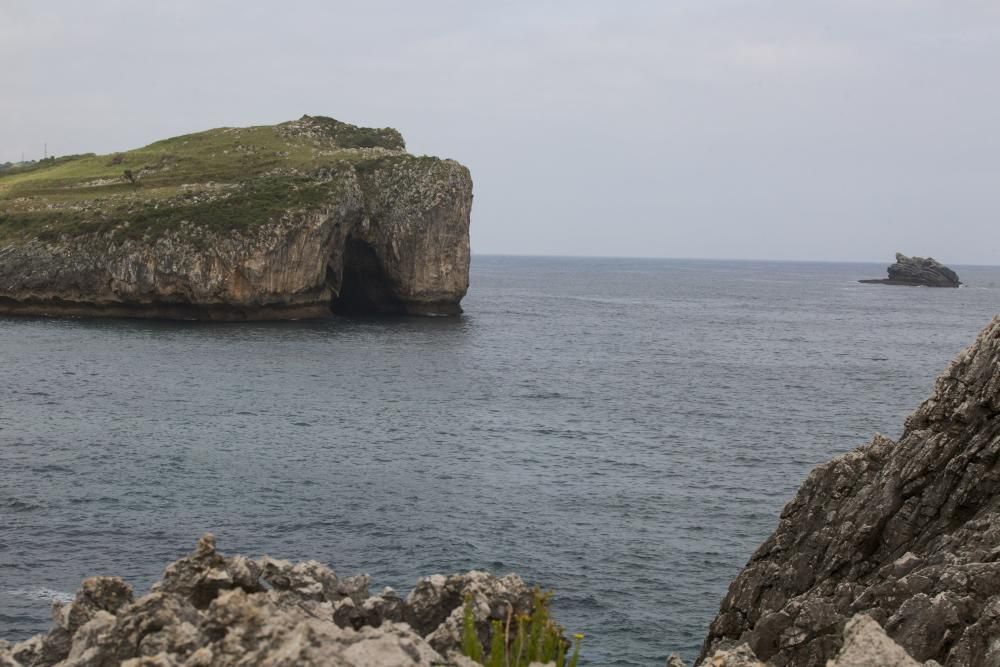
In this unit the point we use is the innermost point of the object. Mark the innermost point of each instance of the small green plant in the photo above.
(536, 638)
(470, 641)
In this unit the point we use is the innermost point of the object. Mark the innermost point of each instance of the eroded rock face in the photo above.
(906, 532)
(864, 644)
(363, 230)
(918, 271)
(211, 610)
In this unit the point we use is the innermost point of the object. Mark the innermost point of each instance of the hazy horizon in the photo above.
(717, 130)
(805, 260)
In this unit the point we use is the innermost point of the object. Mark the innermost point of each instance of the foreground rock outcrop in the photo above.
(210, 610)
(864, 644)
(918, 272)
(906, 532)
(301, 219)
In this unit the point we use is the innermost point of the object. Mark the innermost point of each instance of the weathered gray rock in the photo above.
(740, 656)
(918, 271)
(866, 645)
(906, 532)
(435, 607)
(210, 610)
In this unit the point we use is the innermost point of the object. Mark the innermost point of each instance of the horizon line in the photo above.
(710, 259)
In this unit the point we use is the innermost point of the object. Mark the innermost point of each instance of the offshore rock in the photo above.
(296, 220)
(905, 532)
(918, 271)
(211, 610)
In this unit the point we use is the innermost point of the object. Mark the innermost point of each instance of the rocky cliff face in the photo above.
(906, 532)
(864, 644)
(918, 271)
(296, 220)
(212, 611)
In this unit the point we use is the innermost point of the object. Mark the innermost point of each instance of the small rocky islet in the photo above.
(917, 272)
(296, 220)
(888, 556)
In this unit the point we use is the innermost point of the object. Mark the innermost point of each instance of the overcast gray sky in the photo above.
(839, 130)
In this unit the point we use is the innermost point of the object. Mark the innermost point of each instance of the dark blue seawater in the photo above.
(622, 431)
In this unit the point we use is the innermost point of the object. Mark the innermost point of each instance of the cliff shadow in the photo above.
(364, 286)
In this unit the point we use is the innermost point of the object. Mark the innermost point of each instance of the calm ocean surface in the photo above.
(622, 431)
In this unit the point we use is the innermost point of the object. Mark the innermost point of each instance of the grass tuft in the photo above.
(536, 638)
(221, 179)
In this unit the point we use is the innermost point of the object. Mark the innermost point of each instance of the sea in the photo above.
(623, 432)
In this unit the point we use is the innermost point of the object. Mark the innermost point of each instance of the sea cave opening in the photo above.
(364, 287)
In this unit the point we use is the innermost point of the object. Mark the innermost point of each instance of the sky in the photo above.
(796, 129)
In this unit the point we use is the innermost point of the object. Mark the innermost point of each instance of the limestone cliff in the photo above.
(295, 220)
(907, 532)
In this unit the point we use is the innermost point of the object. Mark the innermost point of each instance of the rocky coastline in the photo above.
(888, 556)
(906, 532)
(211, 610)
(917, 272)
(299, 220)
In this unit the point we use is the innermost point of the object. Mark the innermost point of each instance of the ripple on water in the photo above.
(629, 458)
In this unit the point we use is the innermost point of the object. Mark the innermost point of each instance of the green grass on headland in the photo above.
(221, 179)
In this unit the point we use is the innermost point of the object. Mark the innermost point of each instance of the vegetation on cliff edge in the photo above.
(219, 179)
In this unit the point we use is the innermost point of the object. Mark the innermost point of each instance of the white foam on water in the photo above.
(41, 594)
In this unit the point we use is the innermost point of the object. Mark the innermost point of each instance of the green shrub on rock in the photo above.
(536, 638)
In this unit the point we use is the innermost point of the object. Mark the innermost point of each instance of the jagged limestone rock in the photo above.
(906, 532)
(866, 645)
(211, 610)
(918, 271)
(294, 220)
(741, 656)
(435, 606)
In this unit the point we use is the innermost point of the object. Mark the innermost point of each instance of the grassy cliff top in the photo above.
(222, 178)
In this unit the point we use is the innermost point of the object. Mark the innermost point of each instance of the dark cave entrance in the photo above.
(364, 288)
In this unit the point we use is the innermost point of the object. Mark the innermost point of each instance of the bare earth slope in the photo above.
(906, 532)
(294, 220)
